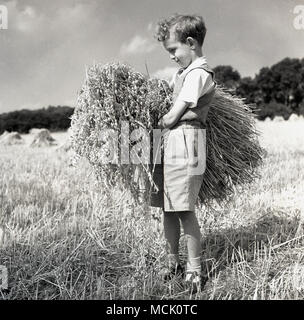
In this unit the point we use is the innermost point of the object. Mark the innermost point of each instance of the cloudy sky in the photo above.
(48, 44)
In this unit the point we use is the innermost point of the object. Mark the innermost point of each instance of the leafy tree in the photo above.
(52, 118)
(227, 76)
(283, 83)
(273, 109)
(276, 90)
(249, 89)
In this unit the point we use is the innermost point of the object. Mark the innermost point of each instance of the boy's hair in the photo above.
(183, 26)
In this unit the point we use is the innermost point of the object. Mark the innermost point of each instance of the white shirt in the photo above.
(197, 82)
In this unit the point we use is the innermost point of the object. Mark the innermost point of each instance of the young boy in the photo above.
(184, 163)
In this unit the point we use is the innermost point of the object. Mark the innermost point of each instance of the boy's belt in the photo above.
(193, 122)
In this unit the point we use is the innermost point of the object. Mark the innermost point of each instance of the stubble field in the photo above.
(64, 237)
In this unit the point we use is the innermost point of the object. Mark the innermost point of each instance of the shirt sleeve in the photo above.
(196, 83)
(173, 80)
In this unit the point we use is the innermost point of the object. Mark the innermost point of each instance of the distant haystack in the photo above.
(43, 138)
(66, 147)
(294, 117)
(35, 130)
(278, 119)
(11, 138)
(5, 133)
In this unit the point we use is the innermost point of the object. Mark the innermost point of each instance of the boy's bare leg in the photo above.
(172, 231)
(172, 235)
(192, 232)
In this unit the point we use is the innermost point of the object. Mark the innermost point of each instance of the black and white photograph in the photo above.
(151, 151)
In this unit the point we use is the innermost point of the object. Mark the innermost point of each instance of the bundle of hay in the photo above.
(278, 119)
(233, 150)
(112, 94)
(294, 117)
(43, 138)
(35, 130)
(4, 134)
(11, 138)
(115, 93)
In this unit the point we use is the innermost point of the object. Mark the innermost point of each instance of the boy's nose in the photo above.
(172, 56)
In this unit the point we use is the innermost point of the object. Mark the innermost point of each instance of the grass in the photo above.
(64, 237)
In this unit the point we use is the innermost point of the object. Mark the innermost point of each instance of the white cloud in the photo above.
(138, 44)
(165, 73)
(44, 52)
(38, 19)
(29, 12)
(24, 19)
(27, 20)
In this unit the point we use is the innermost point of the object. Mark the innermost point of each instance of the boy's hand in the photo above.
(160, 123)
(172, 117)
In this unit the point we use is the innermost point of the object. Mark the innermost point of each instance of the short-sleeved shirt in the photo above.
(197, 82)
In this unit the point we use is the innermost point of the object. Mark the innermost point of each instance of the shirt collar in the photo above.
(197, 62)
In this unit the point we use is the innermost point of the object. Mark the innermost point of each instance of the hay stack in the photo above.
(43, 139)
(35, 130)
(114, 93)
(65, 147)
(278, 119)
(11, 138)
(294, 117)
(4, 134)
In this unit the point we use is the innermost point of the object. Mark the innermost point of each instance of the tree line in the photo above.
(274, 91)
(52, 118)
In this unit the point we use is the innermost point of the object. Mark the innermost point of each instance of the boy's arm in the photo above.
(170, 119)
(193, 87)
(173, 80)
(196, 112)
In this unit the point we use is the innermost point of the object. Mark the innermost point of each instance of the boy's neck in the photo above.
(197, 53)
(195, 57)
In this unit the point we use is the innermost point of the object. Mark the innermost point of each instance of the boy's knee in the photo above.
(186, 215)
(170, 217)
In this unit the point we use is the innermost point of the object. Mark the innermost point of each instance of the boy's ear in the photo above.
(191, 42)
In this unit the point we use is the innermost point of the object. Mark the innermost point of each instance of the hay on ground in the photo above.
(43, 139)
(66, 146)
(11, 138)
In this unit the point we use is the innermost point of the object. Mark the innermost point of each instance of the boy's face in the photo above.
(179, 52)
